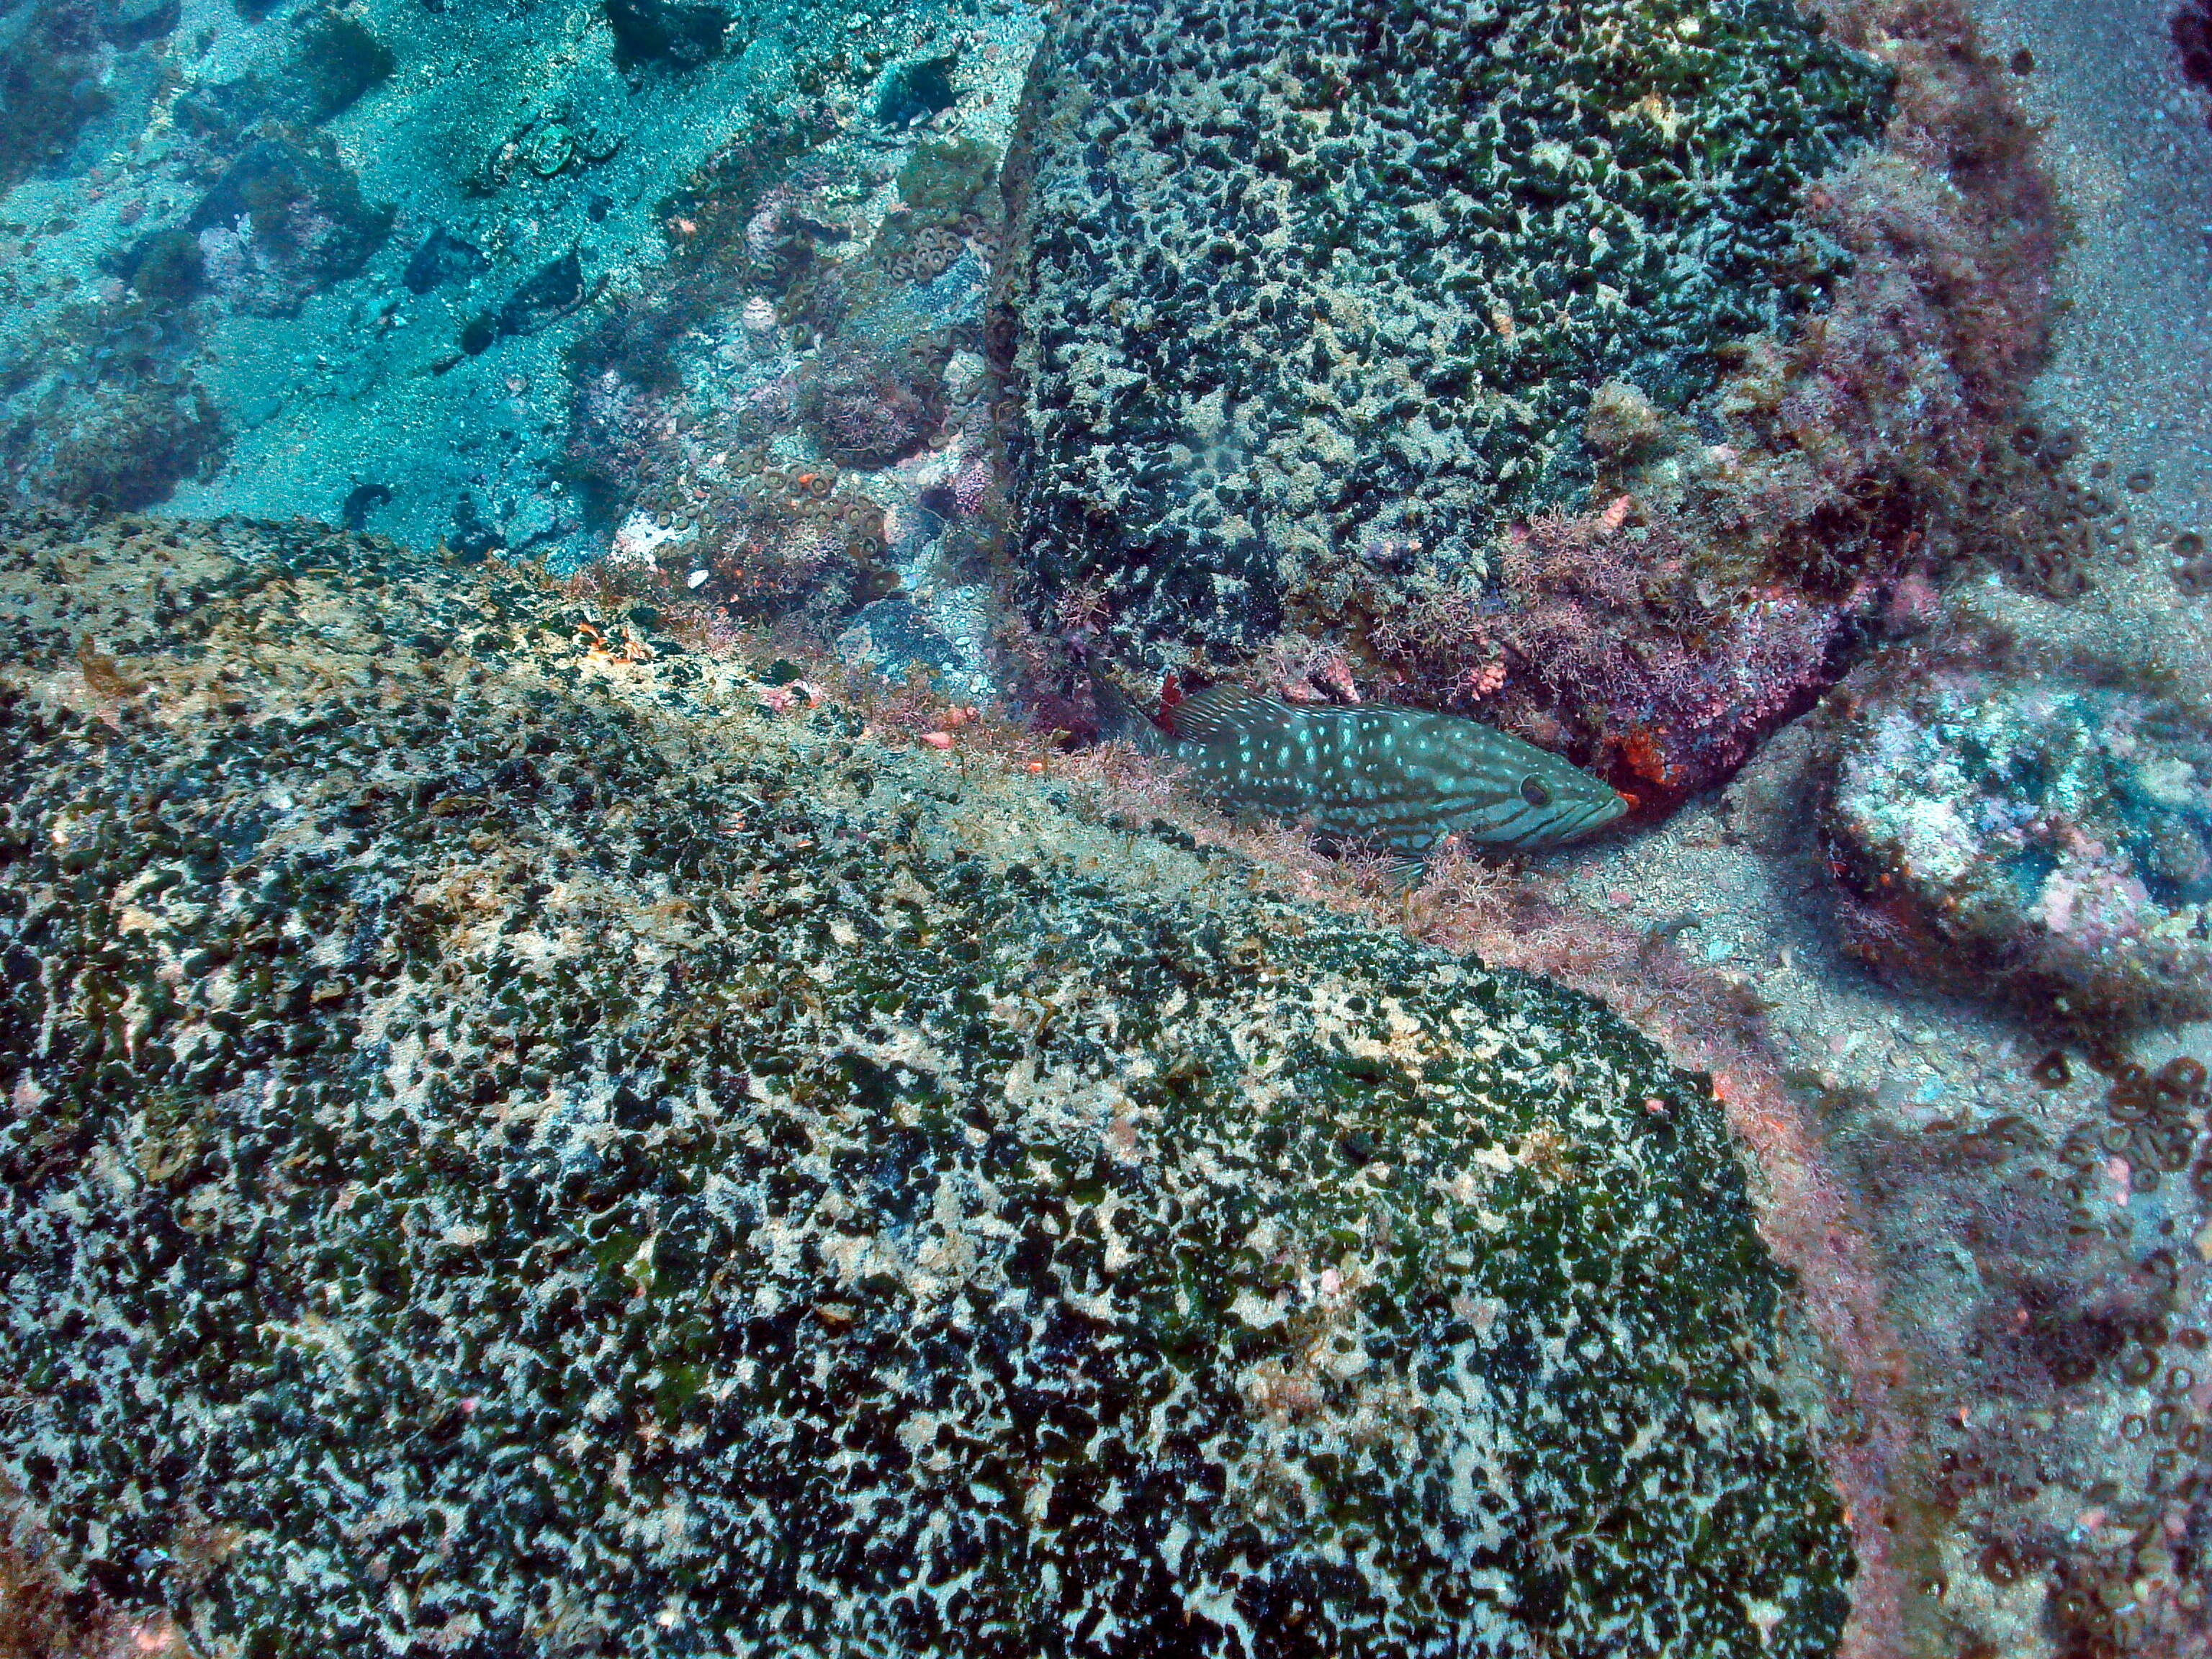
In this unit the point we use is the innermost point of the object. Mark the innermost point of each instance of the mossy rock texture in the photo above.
(1311, 299)
(514, 1145)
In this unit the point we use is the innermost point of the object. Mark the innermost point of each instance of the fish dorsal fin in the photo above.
(1221, 713)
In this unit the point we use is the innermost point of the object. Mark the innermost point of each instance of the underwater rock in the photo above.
(285, 220)
(547, 294)
(682, 33)
(869, 411)
(50, 84)
(112, 413)
(126, 446)
(947, 179)
(2192, 29)
(912, 93)
(474, 535)
(1377, 287)
(896, 638)
(338, 62)
(443, 257)
(2044, 836)
(134, 23)
(361, 501)
(507, 1142)
(165, 268)
(758, 458)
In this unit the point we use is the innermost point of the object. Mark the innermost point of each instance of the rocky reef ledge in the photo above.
(519, 1136)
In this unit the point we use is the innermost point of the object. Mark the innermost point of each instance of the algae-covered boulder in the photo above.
(1310, 299)
(511, 1146)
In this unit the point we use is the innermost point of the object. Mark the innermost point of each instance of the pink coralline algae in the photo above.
(620, 429)
(268, 276)
(973, 480)
(772, 561)
(865, 412)
(1612, 644)
(2052, 838)
(787, 224)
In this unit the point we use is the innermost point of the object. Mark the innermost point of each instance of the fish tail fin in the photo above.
(1121, 719)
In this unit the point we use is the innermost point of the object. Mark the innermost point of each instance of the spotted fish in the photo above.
(1401, 779)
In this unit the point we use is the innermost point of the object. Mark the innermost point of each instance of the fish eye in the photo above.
(1533, 791)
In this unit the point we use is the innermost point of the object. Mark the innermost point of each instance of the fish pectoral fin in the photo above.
(1406, 874)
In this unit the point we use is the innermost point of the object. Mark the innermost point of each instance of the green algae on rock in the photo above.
(1310, 300)
(512, 1147)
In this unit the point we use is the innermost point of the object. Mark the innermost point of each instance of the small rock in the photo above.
(2046, 837)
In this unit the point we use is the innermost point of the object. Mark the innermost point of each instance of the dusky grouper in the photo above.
(1402, 778)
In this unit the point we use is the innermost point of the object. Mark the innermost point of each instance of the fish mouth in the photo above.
(1582, 820)
(1594, 818)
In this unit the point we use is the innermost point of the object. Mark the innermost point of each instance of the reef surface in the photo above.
(698, 294)
(511, 1140)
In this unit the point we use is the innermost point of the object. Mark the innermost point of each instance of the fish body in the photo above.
(1402, 778)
